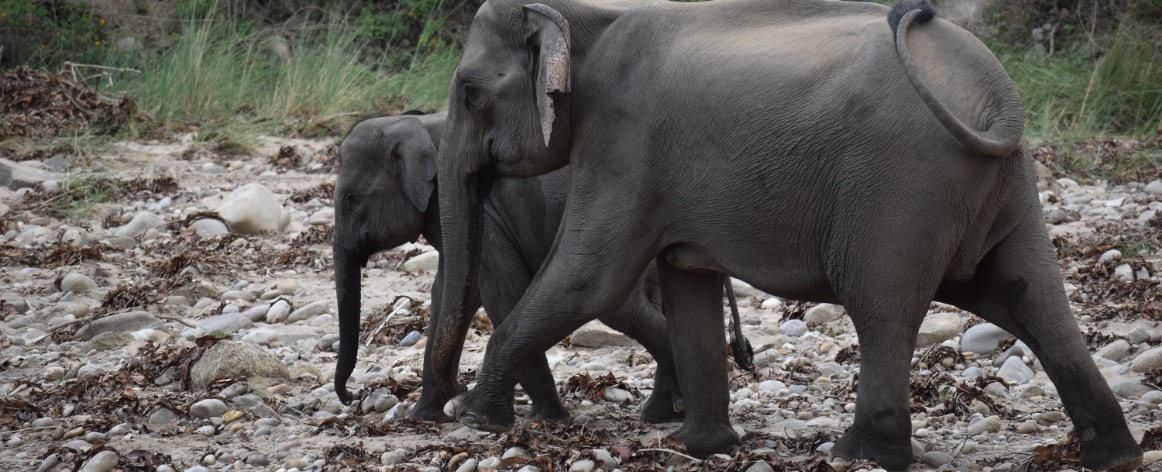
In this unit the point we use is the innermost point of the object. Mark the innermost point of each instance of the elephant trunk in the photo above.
(460, 190)
(347, 290)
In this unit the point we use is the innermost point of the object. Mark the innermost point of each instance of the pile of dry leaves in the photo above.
(36, 103)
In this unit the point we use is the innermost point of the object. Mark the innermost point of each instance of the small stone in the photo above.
(226, 323)
(206, 430)
(1148, 360)
(257, 459)
(411, 338)
(279, 310)
(583, 465)
(603, 456)
(207, 408)
(760, 466)
(257, 313)
(987, 424)
(209, 227)
(53, 373)
(103, 461)
(1124, 273)
(121, 322)
(1154, 187)
(311, 310)
(1015, 370)
(427, 262)
(77, 283)
(163, 415)
(983, 338)
(938, 327)
(936, 458)
(489, 463)
(1138, 335)
(595, 334)
(616, 395)
(823, 313)
(1150, 457)
(1115, 351)
(793, 328)
(251, 209)
(1028, 427)
(231, 359)
(140, 223)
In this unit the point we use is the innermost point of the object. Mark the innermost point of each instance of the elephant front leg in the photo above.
(430, 406)
(581, 279)
(692, 305)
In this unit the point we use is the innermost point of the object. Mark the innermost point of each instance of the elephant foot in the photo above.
(478, 411)
(1114, 452)
(703, 440)
(662, 407)
(894, 455)
(547, 411)
(430, 408)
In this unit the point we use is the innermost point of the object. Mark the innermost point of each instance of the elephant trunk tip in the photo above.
(342, 393)
(927, 12)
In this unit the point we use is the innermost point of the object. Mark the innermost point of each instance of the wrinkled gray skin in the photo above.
(385, 197)
(793, 144)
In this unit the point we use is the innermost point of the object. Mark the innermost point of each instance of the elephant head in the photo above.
(384, 197)
(496, 127)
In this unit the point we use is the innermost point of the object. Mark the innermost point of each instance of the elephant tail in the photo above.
(1004, 133)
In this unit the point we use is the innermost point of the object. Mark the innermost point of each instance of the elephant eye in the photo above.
(473, 96)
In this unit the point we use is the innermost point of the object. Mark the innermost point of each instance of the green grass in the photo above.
(230, 81)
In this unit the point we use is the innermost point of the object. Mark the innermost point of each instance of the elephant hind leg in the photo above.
(693, 309)
(643, 321)
(1018, 287)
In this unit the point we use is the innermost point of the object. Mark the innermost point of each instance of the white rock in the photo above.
(595, 334)
(1116, 350)
(103, 461)
(794, 328)
(1110, 255)
(208, 408)
(209, 227)
(616, 395)
(990, 424)
(279, 310)
(938, 327)
(823, 313)
(1154, 187)
(226, 323)
(140, 223)
(1124, 273)
(77, 283)
(1148, 360)
(17, 175)
(309, 311)
(1015, 370)
(983, 338)
(251, 209)
(427, 262)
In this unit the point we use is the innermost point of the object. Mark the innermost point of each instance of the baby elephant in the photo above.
(385, 197)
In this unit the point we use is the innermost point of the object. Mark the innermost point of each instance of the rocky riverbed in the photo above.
(188, 324)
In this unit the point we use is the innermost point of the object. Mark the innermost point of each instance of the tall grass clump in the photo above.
(225, 72)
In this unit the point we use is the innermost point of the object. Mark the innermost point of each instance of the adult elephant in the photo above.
(794, 144)
(385, 197)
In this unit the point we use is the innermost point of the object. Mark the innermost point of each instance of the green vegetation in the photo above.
(231, 73)
(79, 194)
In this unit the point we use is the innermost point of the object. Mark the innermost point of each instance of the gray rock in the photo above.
(58, 163)
(229, 359)
(1148, 360)
(1138, 335)
(77, 283)
(140, 223)
(1115, 351)
(1154, 187)
(1124, 273)
(412, 337)
(983, 338)
(103, 461)
(162, 415)
(311, 310)
(1129, 388)
(254, 405)
(209, 408)
(990, 424)
(16, 175)
(1015, 370)
(936, 458)
(595, 334)
(602, 456)
(251, 209)
(108, 341)
(823, 313)
(583, 465)
(616, 395)
(119, 242)
(427, 262)
(938, 327)
(226, 323)
(209, 227)
(257, 312)
(121, 322)
(793, 328)
(286, 334)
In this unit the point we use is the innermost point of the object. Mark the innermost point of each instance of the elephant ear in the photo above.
(548, 36)
(416, 152)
